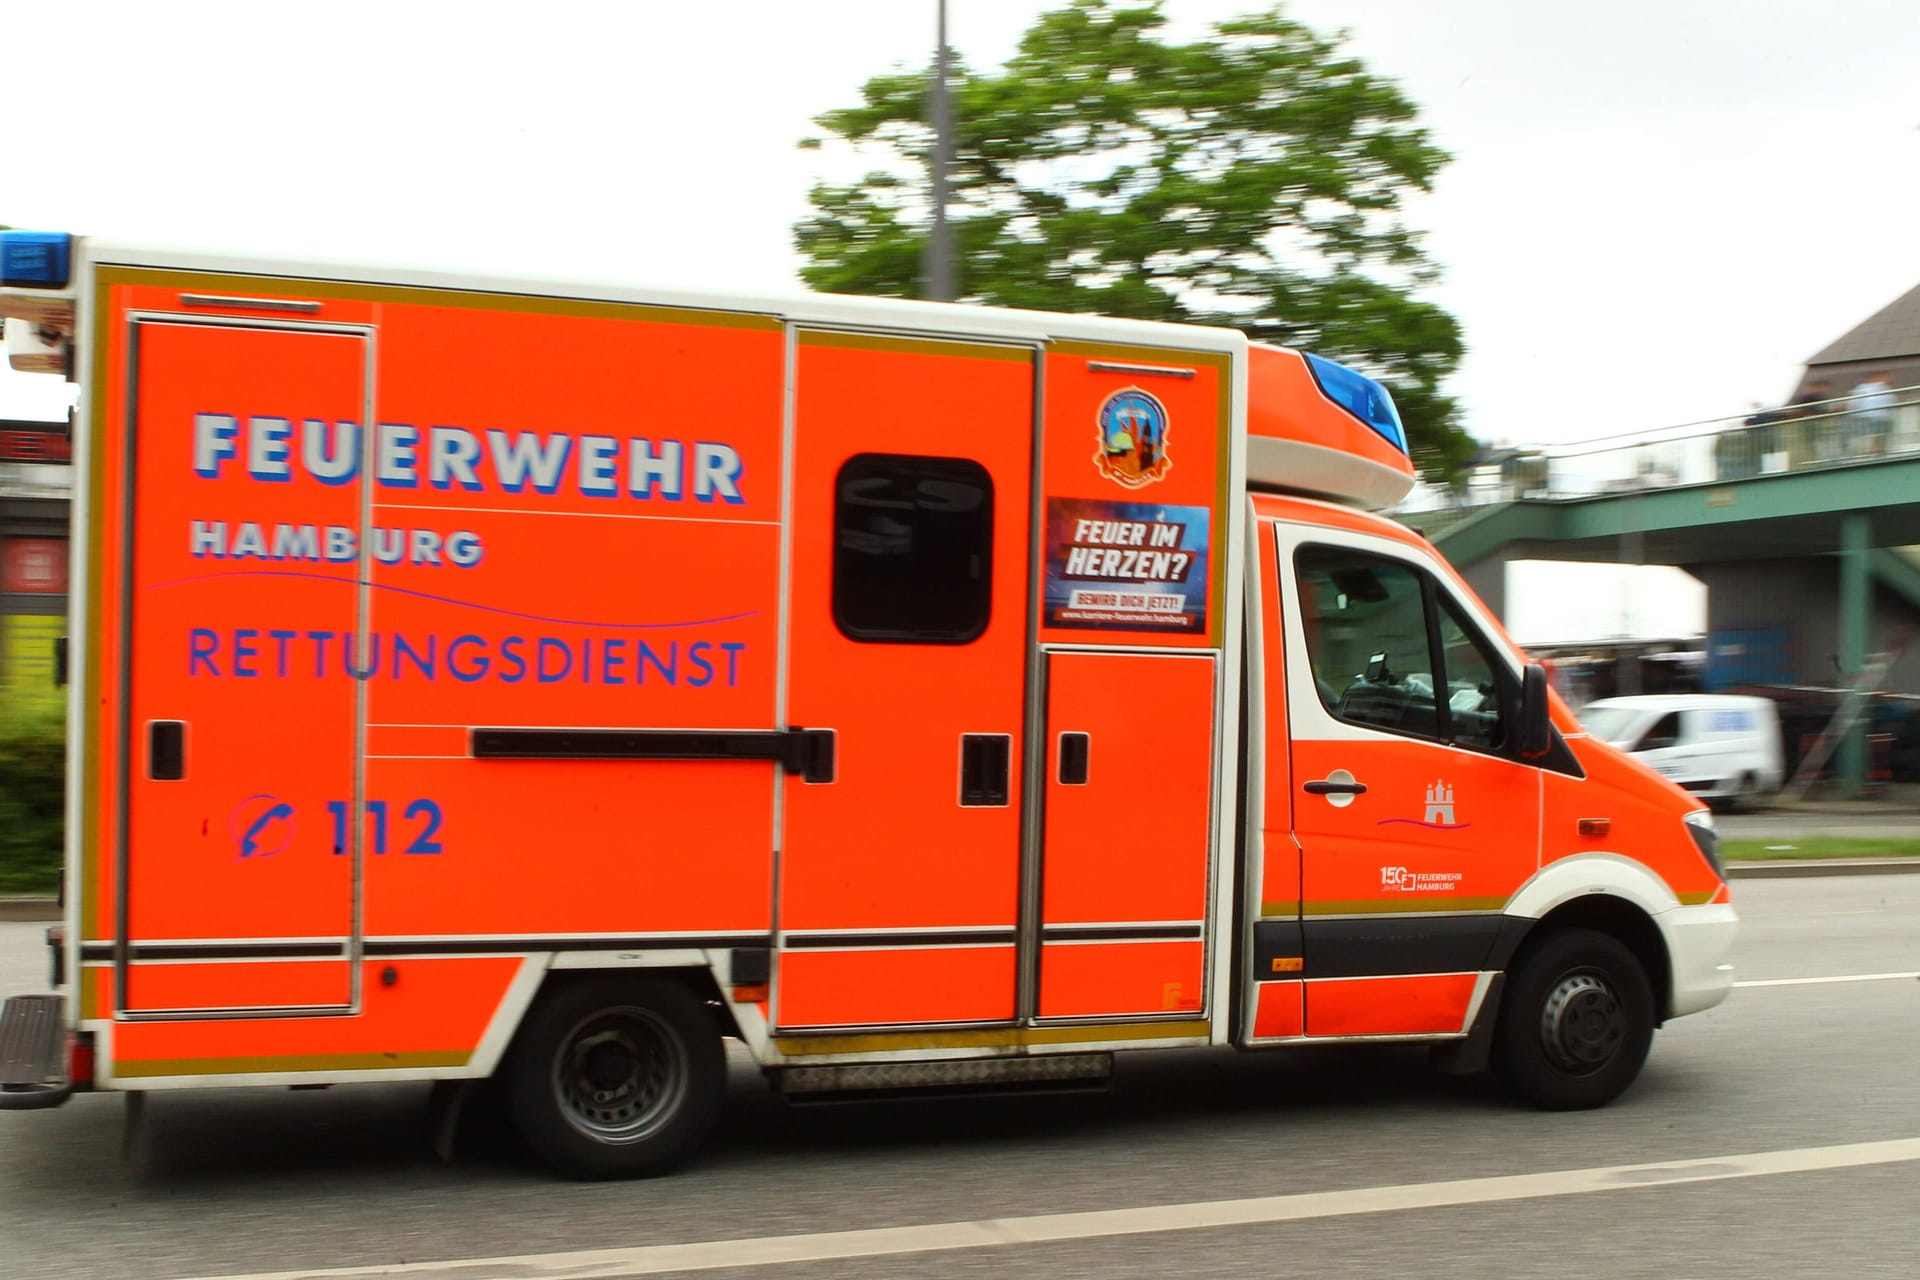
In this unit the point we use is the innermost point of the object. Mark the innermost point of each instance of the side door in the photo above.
(899, 874)
(1415, 819)
(241, 605)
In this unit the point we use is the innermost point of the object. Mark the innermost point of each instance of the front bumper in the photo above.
(1700, 947)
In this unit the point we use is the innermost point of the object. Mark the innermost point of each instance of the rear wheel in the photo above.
(1576, 1023)
(616, 1076)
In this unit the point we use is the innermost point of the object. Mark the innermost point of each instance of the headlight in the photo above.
(1706, 839)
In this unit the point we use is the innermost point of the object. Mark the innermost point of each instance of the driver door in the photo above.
(1415, 820)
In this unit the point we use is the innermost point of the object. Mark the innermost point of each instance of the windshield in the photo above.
(1611, 724)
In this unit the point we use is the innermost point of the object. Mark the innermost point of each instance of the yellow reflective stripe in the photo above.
(986, 349)
(1409, 905)
(426, 295)
(309, 1062)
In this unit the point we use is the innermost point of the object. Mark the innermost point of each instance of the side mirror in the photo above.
(1536, 728)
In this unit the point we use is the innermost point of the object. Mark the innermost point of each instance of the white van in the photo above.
(1722, 747)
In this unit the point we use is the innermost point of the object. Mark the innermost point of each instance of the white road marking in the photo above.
(833, 1246)
(1843, 977)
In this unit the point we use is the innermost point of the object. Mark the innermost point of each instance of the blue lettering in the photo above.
(480, 666)
(244, 652)
(280, 666)
(697, 655)
(402, 647)
(202, 645)
(612, 657)
(734, 651)
(547, 645)
(319, 639)
(646, 654)
(510, 653)
(347, 647)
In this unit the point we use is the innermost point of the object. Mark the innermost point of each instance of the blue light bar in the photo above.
(1360, 396)
(35, 258)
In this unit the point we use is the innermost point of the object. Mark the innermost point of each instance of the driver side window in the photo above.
(1389, 651)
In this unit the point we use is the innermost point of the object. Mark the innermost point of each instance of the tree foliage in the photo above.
(1253, 178)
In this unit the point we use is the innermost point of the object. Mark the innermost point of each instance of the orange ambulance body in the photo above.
(475, 677)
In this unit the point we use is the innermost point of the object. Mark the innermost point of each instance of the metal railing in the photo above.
(1843, 431)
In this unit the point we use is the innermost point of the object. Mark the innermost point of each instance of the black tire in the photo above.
(1576, 1023)
(616, 1076)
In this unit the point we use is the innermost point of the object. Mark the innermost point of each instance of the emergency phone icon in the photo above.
(261, 825)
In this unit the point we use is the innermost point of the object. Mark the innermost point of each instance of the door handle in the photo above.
(1329, 787)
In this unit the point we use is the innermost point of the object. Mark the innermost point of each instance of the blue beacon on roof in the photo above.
(1360, 396)
(35, 258)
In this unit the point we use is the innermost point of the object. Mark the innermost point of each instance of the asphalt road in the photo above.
(1749, 1148)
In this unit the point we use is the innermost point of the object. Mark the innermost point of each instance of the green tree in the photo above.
(1253, 178)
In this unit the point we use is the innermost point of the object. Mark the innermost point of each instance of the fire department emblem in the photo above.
(1133, 439)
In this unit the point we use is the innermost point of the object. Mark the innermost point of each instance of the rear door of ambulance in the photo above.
(213, 863)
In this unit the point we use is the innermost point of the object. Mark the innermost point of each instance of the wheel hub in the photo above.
(1582, 1025)
(619, 1077)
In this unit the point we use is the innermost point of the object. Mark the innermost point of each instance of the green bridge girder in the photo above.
(1851, 511)
(1759, 518)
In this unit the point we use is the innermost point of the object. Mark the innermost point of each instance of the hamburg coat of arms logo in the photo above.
(1133, 438)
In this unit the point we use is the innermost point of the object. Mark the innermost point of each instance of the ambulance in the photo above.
(481, 679)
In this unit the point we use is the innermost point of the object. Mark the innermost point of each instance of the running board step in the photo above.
(33, 1068)
(864, 1080)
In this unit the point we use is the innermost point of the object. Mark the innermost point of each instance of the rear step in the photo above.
(33, 1039)
(873, 1081)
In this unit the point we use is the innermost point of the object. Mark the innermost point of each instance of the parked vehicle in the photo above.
(1724, 748)
(475, 677)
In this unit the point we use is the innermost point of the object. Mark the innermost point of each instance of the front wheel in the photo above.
(616, 1076)
(1576, 1023)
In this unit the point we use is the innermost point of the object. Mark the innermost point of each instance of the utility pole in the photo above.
(938, 267)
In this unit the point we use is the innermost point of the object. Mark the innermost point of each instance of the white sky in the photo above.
(1657, 211)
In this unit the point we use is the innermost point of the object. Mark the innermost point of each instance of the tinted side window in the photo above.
(1665, 732)
(1474, 698)
(912, 549)
(1366, 633)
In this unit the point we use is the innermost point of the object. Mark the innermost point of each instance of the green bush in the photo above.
(33, 769)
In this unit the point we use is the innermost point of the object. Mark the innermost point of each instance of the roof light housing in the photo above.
(35, 259)
(1360, 396)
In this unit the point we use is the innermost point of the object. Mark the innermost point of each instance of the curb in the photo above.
(1822, 867)
(16, 909)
